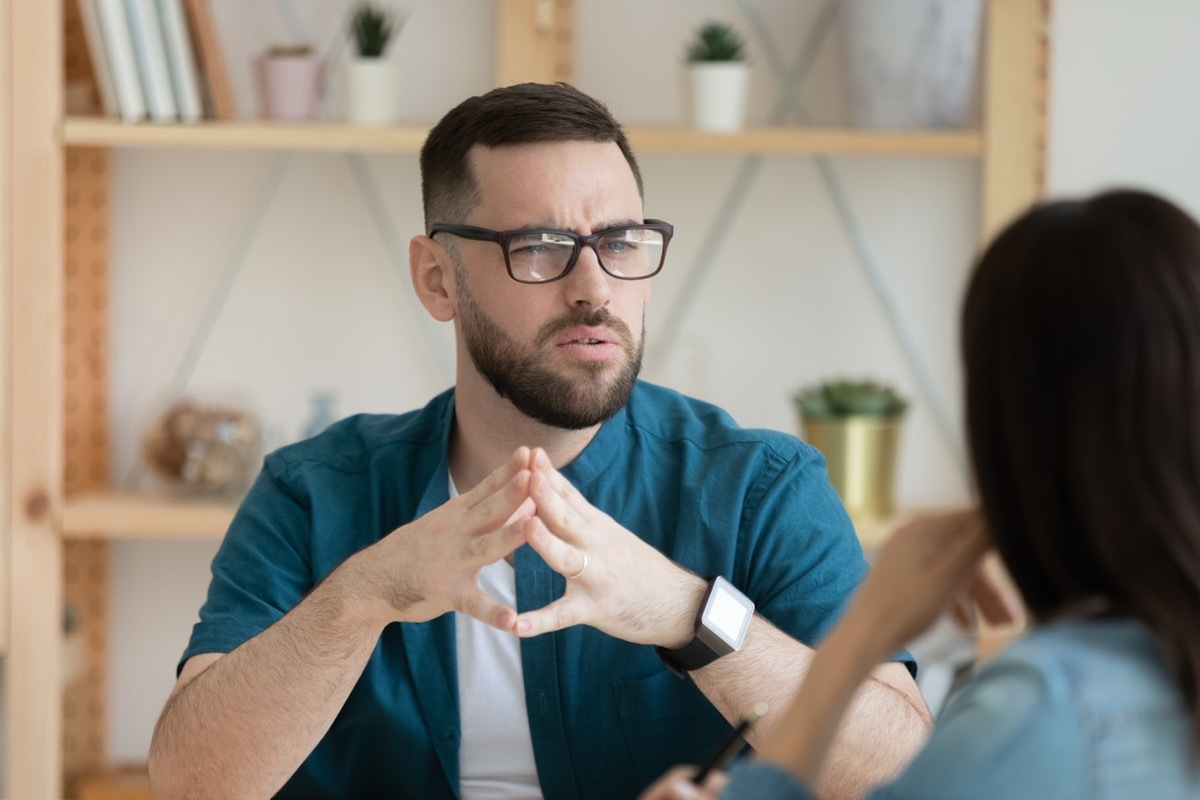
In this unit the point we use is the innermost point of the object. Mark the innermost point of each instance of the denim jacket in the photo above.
(1076, 709)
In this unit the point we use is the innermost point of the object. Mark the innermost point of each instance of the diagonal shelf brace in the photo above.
(441, 354)
(739, 190)
(229, 275)
(891, 309)
(734, 200)
(789, 100)
(223, 287)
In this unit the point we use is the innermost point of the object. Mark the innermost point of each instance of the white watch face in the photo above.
(728, 613)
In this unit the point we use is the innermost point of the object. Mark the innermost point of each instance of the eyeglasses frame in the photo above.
(502, 238)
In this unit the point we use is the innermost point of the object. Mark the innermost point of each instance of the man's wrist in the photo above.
(347, 594)
(683, 624)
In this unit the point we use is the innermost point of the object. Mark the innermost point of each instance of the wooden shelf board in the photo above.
(242, 135)
(126, 782)
(808, 141)
(120, 515)
(96, 132)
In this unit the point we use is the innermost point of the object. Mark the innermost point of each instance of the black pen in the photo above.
(731, 745)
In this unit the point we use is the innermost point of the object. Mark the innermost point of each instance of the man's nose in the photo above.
(587, 283)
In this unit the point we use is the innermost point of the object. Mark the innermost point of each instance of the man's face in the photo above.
(566, 353)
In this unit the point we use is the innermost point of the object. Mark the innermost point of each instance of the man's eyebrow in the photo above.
(621, 223)
(603, 226)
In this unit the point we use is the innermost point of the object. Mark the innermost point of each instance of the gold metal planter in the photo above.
(861, 456)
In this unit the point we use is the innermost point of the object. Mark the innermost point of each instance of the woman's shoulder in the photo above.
(1059, 713)
(1078, 708)
(1107, 665)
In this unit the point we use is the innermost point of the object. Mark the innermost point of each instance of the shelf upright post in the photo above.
(85, 426)
(1014, 109)
(533, 41)
(6, 202)
(33, 90)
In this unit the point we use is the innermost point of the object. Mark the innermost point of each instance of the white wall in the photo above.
(319, 305)
(1122, 110)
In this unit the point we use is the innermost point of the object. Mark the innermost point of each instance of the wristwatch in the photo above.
(721, 625)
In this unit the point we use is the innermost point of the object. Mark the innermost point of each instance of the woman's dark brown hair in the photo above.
(527, 113)
(1081, 344)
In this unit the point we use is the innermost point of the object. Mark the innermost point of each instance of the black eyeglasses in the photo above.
(630, 252)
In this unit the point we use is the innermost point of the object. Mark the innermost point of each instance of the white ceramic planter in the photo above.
(912, 62)
(719, 91)
(372, 91)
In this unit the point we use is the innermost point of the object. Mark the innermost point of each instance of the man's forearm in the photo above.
(245, 724)
(882, 730)
(767, 669)
(884, 727)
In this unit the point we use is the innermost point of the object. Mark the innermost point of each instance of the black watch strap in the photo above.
(694, 655)
(697, 653)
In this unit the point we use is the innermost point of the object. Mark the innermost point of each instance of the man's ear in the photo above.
(432, 277)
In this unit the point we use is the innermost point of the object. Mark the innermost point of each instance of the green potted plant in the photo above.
(720, 77)
(372, 89)
(856, 426)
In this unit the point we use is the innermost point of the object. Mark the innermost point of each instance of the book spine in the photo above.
(214, 77)
(146, 33)
(101, 66)
(117, 43)
(180, 59)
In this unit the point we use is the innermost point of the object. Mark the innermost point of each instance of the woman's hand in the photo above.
(925, 568)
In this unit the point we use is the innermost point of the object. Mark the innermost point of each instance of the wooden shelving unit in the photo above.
(53, 190)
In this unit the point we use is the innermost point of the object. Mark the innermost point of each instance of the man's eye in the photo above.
(537, 245)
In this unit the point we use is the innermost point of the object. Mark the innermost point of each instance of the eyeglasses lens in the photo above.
(536, 257)
(631, 253)
(625, 253)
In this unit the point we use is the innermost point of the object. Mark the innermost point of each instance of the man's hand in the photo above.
(431, 565)
(615, 581)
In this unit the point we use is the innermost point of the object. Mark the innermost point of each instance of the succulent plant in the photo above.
(372, 27)
(849, 398)
(716, 41)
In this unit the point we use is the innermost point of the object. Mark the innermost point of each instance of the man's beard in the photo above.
(537, 391)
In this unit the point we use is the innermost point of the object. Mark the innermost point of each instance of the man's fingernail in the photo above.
(523, 627)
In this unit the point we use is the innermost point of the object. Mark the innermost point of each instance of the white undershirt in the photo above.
(496, 755)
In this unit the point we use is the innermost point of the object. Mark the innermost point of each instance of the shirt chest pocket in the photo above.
(666, 721)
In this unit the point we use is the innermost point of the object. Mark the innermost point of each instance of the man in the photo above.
(548, 495)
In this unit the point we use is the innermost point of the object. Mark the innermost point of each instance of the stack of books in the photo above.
(157, 59)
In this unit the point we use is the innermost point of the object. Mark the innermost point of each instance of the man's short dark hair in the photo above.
(527, 113)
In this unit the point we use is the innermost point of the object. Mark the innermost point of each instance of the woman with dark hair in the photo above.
(1081, 349)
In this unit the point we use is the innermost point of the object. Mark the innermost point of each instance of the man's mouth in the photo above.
(589, 335)
(589, 344)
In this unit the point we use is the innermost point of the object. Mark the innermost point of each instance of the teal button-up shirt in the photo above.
(606, 716)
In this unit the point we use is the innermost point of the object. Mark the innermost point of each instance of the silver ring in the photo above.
(581, 569)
